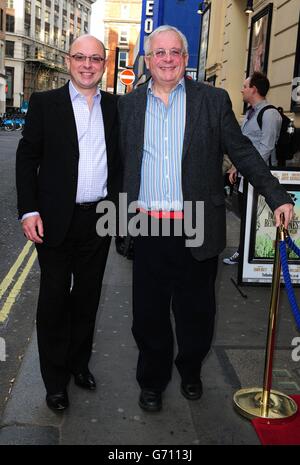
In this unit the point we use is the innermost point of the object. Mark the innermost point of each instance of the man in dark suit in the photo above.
(174, 133)
(67, 162)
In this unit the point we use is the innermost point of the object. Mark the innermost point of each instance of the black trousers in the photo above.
(66, 317)
(165, 277)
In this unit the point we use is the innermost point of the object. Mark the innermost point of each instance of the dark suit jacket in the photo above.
(48, 155)
(211, 130)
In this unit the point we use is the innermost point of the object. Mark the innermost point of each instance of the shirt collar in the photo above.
(74, 92)
(260, 104)
(181, 84)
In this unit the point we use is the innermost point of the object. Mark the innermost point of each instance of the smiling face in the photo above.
(86, 75)
(169, 69)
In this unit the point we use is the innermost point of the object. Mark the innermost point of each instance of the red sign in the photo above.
(127, 77)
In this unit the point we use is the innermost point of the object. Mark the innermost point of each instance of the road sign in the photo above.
(127, 77)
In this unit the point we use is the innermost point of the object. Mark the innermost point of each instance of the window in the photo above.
(10, 86)
(27, 29)
(9, 3)
(28, 7)
(38, 11)
(123, 36)
(9, 48)
(123, 59)
(10, 23)
(26, 49)
(1, 20)
(55, 36)
(46, 37)
(120, 88)
(125, 11)
(47, 16)
(63, 40)
(48, 3)
(56, 20)
(37, 29)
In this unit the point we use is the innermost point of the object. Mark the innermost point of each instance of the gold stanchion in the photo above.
(266, 403)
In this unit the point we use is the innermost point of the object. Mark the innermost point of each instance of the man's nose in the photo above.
(87, 61)
(168, 56)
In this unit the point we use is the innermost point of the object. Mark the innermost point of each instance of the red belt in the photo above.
(160, 214)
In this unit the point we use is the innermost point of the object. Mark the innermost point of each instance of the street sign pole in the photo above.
(116, 69)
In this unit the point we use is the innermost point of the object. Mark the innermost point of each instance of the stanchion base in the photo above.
(248, 403)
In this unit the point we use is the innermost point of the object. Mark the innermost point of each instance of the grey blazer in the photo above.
(211, 130)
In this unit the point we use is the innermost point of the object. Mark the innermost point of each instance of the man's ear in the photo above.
(147, 60)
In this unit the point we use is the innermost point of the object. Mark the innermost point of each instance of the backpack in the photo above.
(285, 146)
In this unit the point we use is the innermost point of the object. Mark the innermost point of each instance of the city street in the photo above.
(17, 308)
(111, 414)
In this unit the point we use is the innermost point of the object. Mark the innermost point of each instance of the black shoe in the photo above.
(150, 401)
(58, 401)
(85, 380)
(191, 391)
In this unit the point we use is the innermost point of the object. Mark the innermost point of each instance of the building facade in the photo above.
(2, 54)
(38, 36)
(122, 21)
(267, 39)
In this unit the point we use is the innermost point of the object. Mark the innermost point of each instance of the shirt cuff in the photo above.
(27, 215)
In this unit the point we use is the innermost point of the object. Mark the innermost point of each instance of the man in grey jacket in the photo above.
(174, 133)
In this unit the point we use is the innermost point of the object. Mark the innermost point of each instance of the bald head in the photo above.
(84, 41)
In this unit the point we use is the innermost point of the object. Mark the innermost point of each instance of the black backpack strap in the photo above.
(261, 112)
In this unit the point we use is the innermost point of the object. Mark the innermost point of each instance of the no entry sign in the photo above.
(127, 77)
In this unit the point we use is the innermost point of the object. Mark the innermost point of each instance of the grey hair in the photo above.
(165, 28)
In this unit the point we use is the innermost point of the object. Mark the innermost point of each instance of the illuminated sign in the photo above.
(151, 18)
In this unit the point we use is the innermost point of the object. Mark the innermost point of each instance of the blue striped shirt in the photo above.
(161, 187)
(92, 166)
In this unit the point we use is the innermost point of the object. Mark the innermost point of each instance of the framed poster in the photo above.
(203, 44)
(259, 42)
(258, 233)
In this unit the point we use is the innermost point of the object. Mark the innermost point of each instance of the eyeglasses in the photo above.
(80, 58)
(161, 53)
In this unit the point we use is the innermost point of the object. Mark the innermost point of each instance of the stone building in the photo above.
(38, 35)
(267, 39)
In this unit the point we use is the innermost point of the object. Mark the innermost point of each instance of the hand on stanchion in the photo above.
(283, 215)
(266, 403)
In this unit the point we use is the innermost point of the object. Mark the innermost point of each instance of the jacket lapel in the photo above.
(140, 106)
(108, 108)
(65, 115)
(194, 101)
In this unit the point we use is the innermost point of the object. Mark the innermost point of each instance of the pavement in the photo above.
(111, 416)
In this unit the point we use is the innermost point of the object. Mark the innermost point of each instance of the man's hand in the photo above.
(33, 228)
(288, 210)
(232, 175)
